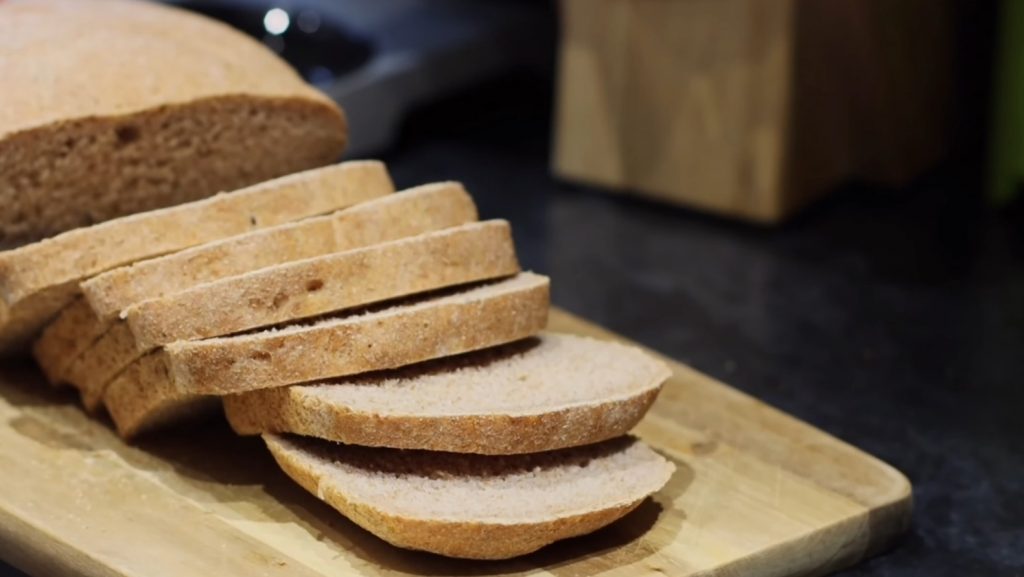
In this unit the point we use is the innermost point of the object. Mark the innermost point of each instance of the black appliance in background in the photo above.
(381, 58)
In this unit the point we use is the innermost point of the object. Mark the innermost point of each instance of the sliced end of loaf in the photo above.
(73, 174)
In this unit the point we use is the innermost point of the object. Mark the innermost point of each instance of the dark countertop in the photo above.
(893, 319)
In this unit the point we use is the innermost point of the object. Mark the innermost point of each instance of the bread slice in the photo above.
(39, 279)
(414, 211)
(161, 383)
(474, 506)
(141, 106)
(91, 371)
(550, 392)
(74, 330)
(302, 289)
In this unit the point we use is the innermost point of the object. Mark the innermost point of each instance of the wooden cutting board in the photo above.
(757, 493)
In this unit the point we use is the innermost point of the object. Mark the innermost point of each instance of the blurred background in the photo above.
(815, 201)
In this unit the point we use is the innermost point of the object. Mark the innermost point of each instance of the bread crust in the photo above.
(141, 106)
(323, 284)
(468, 539)
(478, 434)
(417, 210)
(78, 328)
(604, 414)
(126, 57)
(93, 370)
(292, 291)
(74, 330)
(403, 335)
(39, 279)
(472, 320)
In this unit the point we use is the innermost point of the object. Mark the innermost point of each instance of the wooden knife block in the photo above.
(751, 108)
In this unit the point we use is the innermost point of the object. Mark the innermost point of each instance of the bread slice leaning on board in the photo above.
(299, 290)
(475, 506)
(540, 394)
(39, 279)
(160, 386)
(141, 106)
(60, 350)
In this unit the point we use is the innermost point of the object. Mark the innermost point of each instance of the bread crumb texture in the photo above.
(552, 372)
(475, 506)
(538, 394)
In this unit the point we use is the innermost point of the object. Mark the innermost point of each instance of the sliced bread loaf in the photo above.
(160, 383)
(469, 253)
(140, 106)
(39, 279)
(475, 506)
(545, 393)
(414, 211)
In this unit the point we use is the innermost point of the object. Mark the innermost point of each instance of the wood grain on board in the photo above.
(757, 493)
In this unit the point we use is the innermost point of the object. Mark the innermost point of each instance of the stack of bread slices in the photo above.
(386, 345)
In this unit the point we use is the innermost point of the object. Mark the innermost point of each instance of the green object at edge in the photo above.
(1007, 170)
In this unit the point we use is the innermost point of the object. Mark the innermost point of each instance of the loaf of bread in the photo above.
(299, 290)
(117, 107)
(447, 420)
(535, 395)
(60, 348)
(386, 347)
(155, 388)
(475, 506)
(39, 279)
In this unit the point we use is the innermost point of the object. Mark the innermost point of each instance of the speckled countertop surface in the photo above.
(891, 319)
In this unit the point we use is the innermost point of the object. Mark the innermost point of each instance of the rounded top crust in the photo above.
(63, 60)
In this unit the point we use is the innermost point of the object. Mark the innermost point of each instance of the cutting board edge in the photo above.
(900, 492)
